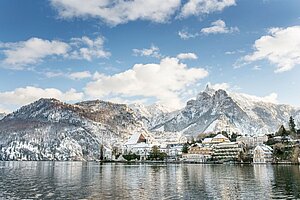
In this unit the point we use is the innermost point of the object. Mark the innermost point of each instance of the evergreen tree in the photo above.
(282, 131)
(292, 125)
(185, 148)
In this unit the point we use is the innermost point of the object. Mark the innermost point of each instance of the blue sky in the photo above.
(148, 51)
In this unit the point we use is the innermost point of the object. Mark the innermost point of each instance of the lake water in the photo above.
(91, 180)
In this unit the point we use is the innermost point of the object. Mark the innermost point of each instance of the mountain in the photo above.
(219, 110)
(2, 115)
(51, 130)
(152, 115)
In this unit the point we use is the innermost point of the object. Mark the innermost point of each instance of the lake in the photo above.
(91, 180)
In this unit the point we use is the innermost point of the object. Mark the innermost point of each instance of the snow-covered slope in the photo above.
(51, 130)
(152, 115)
(219, 110)
(2, 115)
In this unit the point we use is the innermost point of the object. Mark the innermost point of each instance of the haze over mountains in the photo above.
(49, 129)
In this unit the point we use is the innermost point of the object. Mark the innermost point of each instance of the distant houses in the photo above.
(210, 148)
(252, 141)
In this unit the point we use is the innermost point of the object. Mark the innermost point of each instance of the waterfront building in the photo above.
(262, 154)
(198, 153)
(227, 151)
(138, 145)
(215, 140)
(252, 142)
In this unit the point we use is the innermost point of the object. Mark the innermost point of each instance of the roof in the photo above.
(207, 140)
(134, 139)
(265, 148)
(220, 136)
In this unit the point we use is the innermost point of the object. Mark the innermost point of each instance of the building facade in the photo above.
(262, 154)
(227, 151)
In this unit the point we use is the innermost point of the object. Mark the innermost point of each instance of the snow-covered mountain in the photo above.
(2, 115)
(51, 130)
(152, 115)
(220, 110)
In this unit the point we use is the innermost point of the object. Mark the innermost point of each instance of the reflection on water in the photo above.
(81, 180)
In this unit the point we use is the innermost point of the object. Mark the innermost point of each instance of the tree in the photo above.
(224, 133)
(233, 137)
(101, 152)
(155, 151)
(155, 154)
(295, 155)
(185, 148)
(292, 125)
(282, 131)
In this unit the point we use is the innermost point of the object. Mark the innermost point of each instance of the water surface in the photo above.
(91, 180)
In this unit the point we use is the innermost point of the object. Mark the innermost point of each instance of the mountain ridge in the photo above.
(49, 129)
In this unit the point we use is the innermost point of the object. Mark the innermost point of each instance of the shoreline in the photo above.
(157, 162)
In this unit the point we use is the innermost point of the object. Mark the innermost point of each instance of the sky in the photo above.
(148, 51)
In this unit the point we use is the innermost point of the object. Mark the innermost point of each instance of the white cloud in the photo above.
(184, 56)
(184, 34)
(234, 52)
(200, 7)
(116, 12)
(163, 81)
(4, 110)
(80, 75)
(24, 54)
(256, 67)
(218, 86)
(281, 47)
(218, 26)
(22, 96)
(21, 54)
(51, 74)
(272, 98)
(86, 48)
(153, 51)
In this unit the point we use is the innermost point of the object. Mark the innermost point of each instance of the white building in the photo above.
(138, 145)
(227, 151)
(262, 154)
(194, 157)
(215, 140)
(252, 141)
(198, 153)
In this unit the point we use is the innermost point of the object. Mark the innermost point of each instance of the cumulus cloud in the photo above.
(21, 54)
(86, 48)
(218, 26)
(218, 86)
(184, 34)
(22, 96)
(163, 81)
(24, 54)
(184, 56)
(116, 12)
(50, 74)
(153, 51)
(280, 47)
(272, 98)
(201, 7)
(80, 75)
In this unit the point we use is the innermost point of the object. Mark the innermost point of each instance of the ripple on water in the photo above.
(77, 180)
